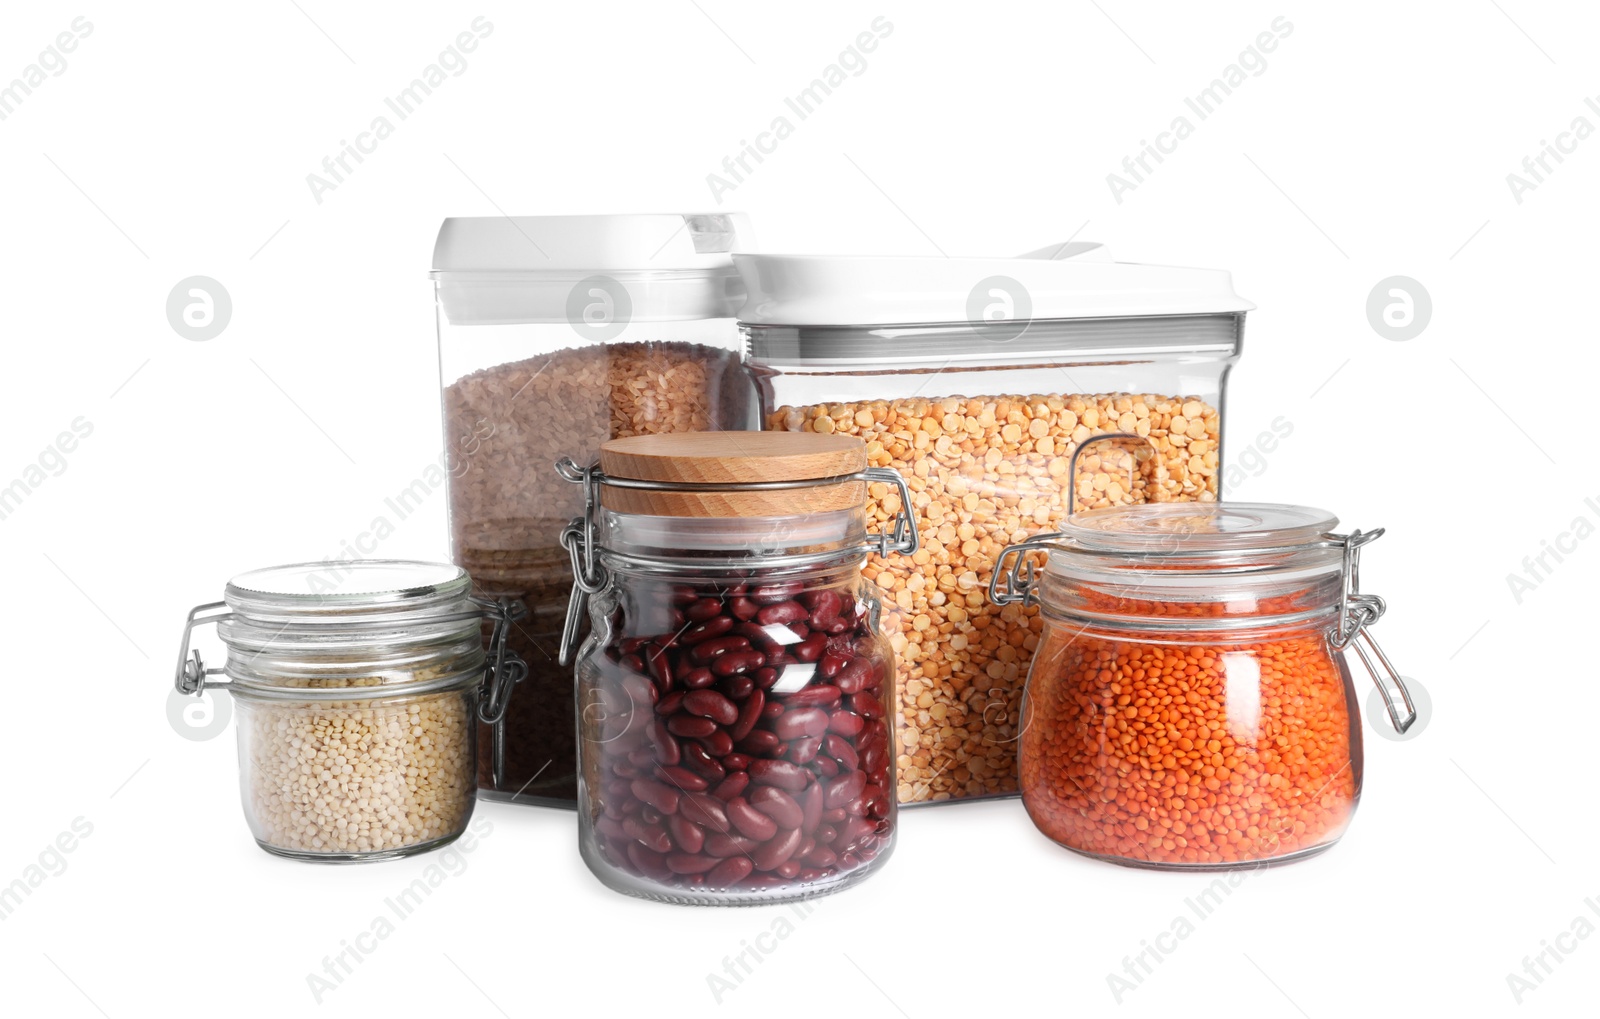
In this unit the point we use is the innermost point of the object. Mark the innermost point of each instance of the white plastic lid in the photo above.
(1064, 281)
(611, 244)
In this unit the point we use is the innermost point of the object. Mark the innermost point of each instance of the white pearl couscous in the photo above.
(341, 777)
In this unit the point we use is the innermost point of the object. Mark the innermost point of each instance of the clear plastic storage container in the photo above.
(1189, 704)
(557, 333)
(735, 744)
(977, 379)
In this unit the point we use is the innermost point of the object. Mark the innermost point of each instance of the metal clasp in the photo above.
(192, 671)
(1358, 611)
(1020, 577)
(503, 668)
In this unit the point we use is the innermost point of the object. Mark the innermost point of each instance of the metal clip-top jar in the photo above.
(734, 738)
(357, 686)
(1189, 704)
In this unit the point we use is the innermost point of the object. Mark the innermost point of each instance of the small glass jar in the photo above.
(1189, 705)
(359, 686)
(734, 737)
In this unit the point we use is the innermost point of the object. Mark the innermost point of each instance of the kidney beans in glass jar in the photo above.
(734, 745)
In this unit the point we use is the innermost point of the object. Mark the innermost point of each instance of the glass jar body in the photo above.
(349, 780)
(517, 396)
(733, 737)
(1201, 750)
(984, 434)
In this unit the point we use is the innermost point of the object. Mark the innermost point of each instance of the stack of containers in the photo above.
(978, 379)
(556, 334)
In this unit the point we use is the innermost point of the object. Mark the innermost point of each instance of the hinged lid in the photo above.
(738, 466)
(1059, 282)
(1197, 527)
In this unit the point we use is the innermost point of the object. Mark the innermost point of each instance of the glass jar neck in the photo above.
(804, 543)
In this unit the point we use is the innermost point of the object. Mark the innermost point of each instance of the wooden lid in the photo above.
(698, 458)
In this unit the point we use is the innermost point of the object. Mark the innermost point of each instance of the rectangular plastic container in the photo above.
(557, 333)
(979, 379)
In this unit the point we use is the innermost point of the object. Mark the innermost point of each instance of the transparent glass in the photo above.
(734, 742)
(517, 396)
(345, 781)
(1210, 749)
(983, 424)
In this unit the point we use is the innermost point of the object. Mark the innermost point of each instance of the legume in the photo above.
(357, 776)
(985, 472)
(1188, 752)
(707, 771)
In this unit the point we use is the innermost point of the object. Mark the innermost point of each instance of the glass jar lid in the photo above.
(1198, 528)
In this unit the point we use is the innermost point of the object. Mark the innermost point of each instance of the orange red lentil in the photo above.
(1194, 751)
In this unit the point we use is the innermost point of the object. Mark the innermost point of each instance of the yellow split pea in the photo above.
(985, 472)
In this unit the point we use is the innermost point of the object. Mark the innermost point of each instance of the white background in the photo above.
(1377, 142)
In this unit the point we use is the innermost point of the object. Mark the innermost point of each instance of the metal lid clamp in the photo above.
(589, 576)
(1358, 611)
(503, 669)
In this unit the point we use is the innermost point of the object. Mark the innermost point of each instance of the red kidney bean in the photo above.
(810, 649)
(846, 723)
(846, 787)
(773, 709)
(750, 821)
(734, 785)
(632, 663)
(712, 705)
(702, 609)
(706, 811)
(663, 798)
(765, 678)
(812, 807)
(788, 869)
(735, 662)
(816, 694)
(729, 872)
(804, 750)
(663, 746)
(705, 631)
(609, 828)
(853, 678)
(686, 835)
(783, 774)
(709, 650)
(770, 594)
(824, 604)
(659, 665)
(826, 833)
(799, 722)
(873, 761)
(759, 743)
(682, 779)
(720, 845)
(669, 704)
(807, 844)
(690, 863)
(683, 594)
(835, 816)
(866, 705)
(810, 874)
(749, 713)
(839, 748)
(778, 849)
(833, 662)
(648, 862)
(631, 645)
(697, 760)
(690, 726)
(778, 805)
(717, 744)
(743, 608)
(697, 679)
(652, 835)
(735, 762)
(854, 830)
(736, 687)
(781, 614)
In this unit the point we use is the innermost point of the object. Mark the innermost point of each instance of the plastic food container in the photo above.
(735, 742)
(358, 687)
(1189, 704)
(977, 380)
(557, 333)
